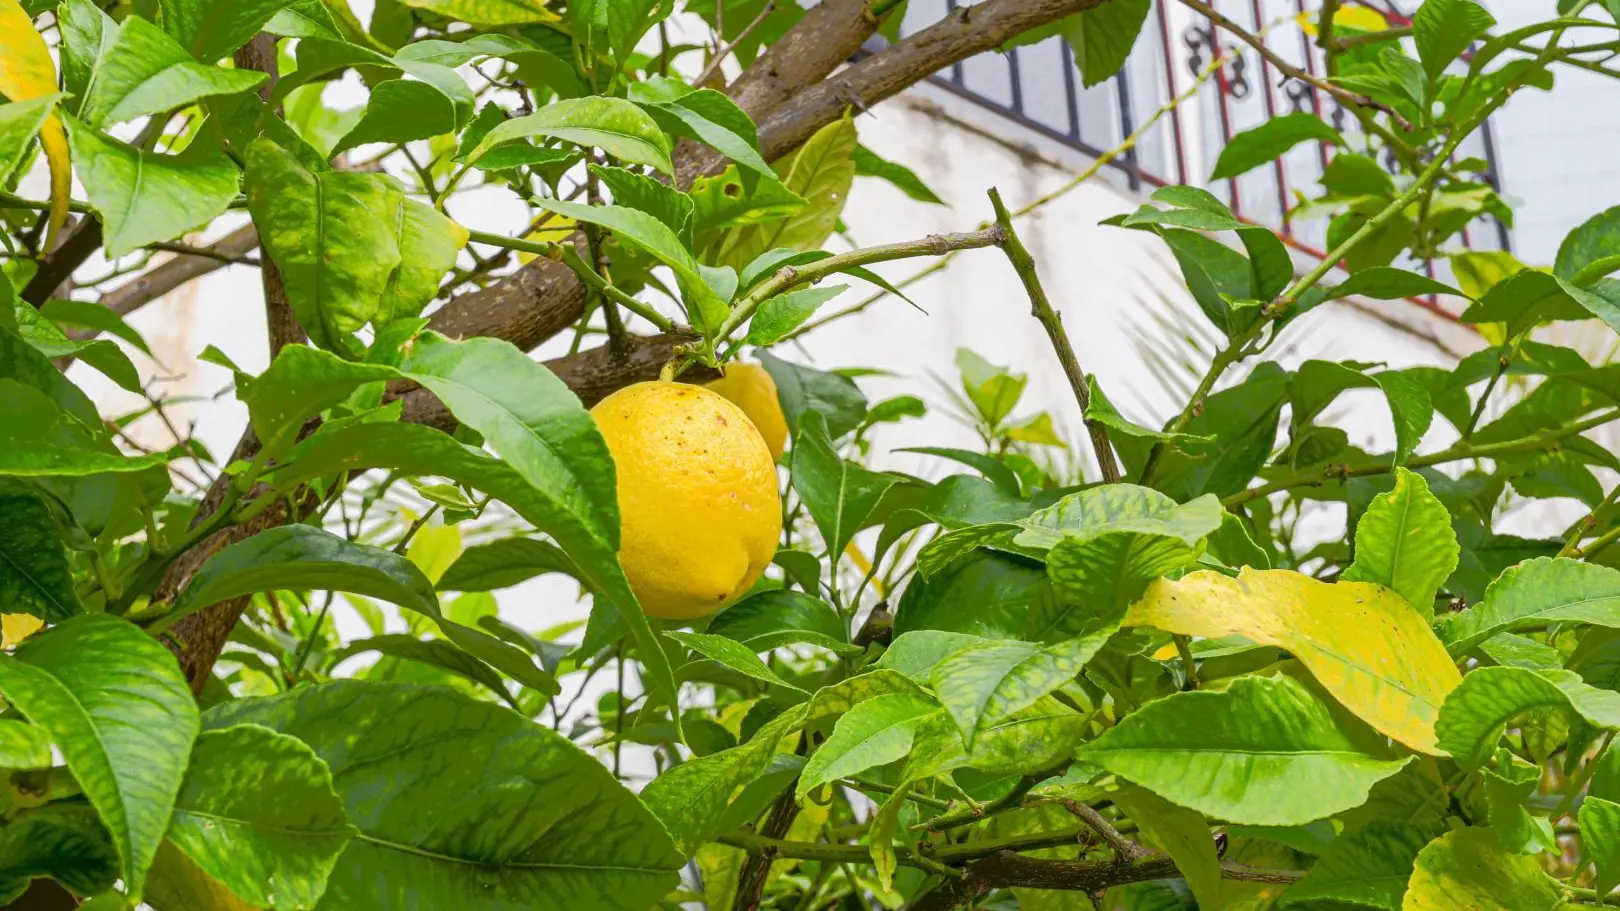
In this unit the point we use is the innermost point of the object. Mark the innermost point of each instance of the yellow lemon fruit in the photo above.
(698, 507)
(750, 388)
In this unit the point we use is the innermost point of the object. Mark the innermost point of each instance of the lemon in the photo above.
(698, 507)
(750, 388)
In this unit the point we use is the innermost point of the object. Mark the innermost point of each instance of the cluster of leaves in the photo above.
(1158, 693)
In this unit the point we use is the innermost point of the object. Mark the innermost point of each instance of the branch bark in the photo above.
(543, 298)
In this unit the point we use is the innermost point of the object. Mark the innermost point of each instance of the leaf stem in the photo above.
(789, 276)
(1547, 440)
(1343, 95)
(569, 256)
(1052, 322)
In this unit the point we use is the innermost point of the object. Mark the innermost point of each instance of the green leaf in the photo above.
(20, 122)
(1404, 542)
(869, 164)
(994, 391)
(271, 853)
(211, 29)
(1119, 507)
(650, 235)
(487, 12)
(1468, 868)
(615, 126)
(772, 619)
(1387, 283)
(302, 556)
(838, 493)
(1264, 751)
(1102, 37)
(23, 745)
(985, 594)
(37, 439)
(710, 117)
(62, 840)
(802, 390)
(1591, 250)
(540, 820)
(145, 71)
(87, 315)
(34, 574)
(994, 470)
(418, 450)
(1472, 718)
(1600, 839)
(916, 653)
(1096, 577)
(1534, 593)
(1368, 867)
(732, 654)
(1318, 383)
(503, 564)
(874, 732)
(333, 234)
(637, 191)
(1530, 298)
(402, 110)
(143, 197)
(430, 652)
(1444, 29)
(119, 710)
(1241, 423)
(428, 244)
(691, 798)
(780, 315)
(1180, 833)
(835, 700)
(101, 354)
(1270, 140)
(821, 172)
(1035, 740)
(985, 684)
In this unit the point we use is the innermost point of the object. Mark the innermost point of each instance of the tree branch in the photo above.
(1052, 322)
(59, 264)
(543, 298)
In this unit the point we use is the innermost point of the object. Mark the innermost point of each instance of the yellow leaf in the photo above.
(14, 628)
(26, 73)
(1362, 642)
(1356, 18)
(555, 229)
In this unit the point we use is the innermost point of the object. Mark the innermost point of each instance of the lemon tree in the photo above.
(650, 623)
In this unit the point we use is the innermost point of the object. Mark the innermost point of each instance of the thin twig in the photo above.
(1124, 849)
(1344, 95)
(726, 49)
(224, 256)
(1052, 322)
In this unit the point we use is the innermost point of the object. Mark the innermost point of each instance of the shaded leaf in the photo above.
(503, 564)
(119, 710)
(838, 493)
(541, 821)
(34, 574)
(269, 853)
(1367, 867)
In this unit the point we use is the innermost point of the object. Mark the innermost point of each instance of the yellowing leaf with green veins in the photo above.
(1362, 642)
(26, 73)
(1468, 869)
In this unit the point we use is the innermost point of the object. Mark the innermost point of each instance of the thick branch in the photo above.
(543, 298)
(59, 264)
